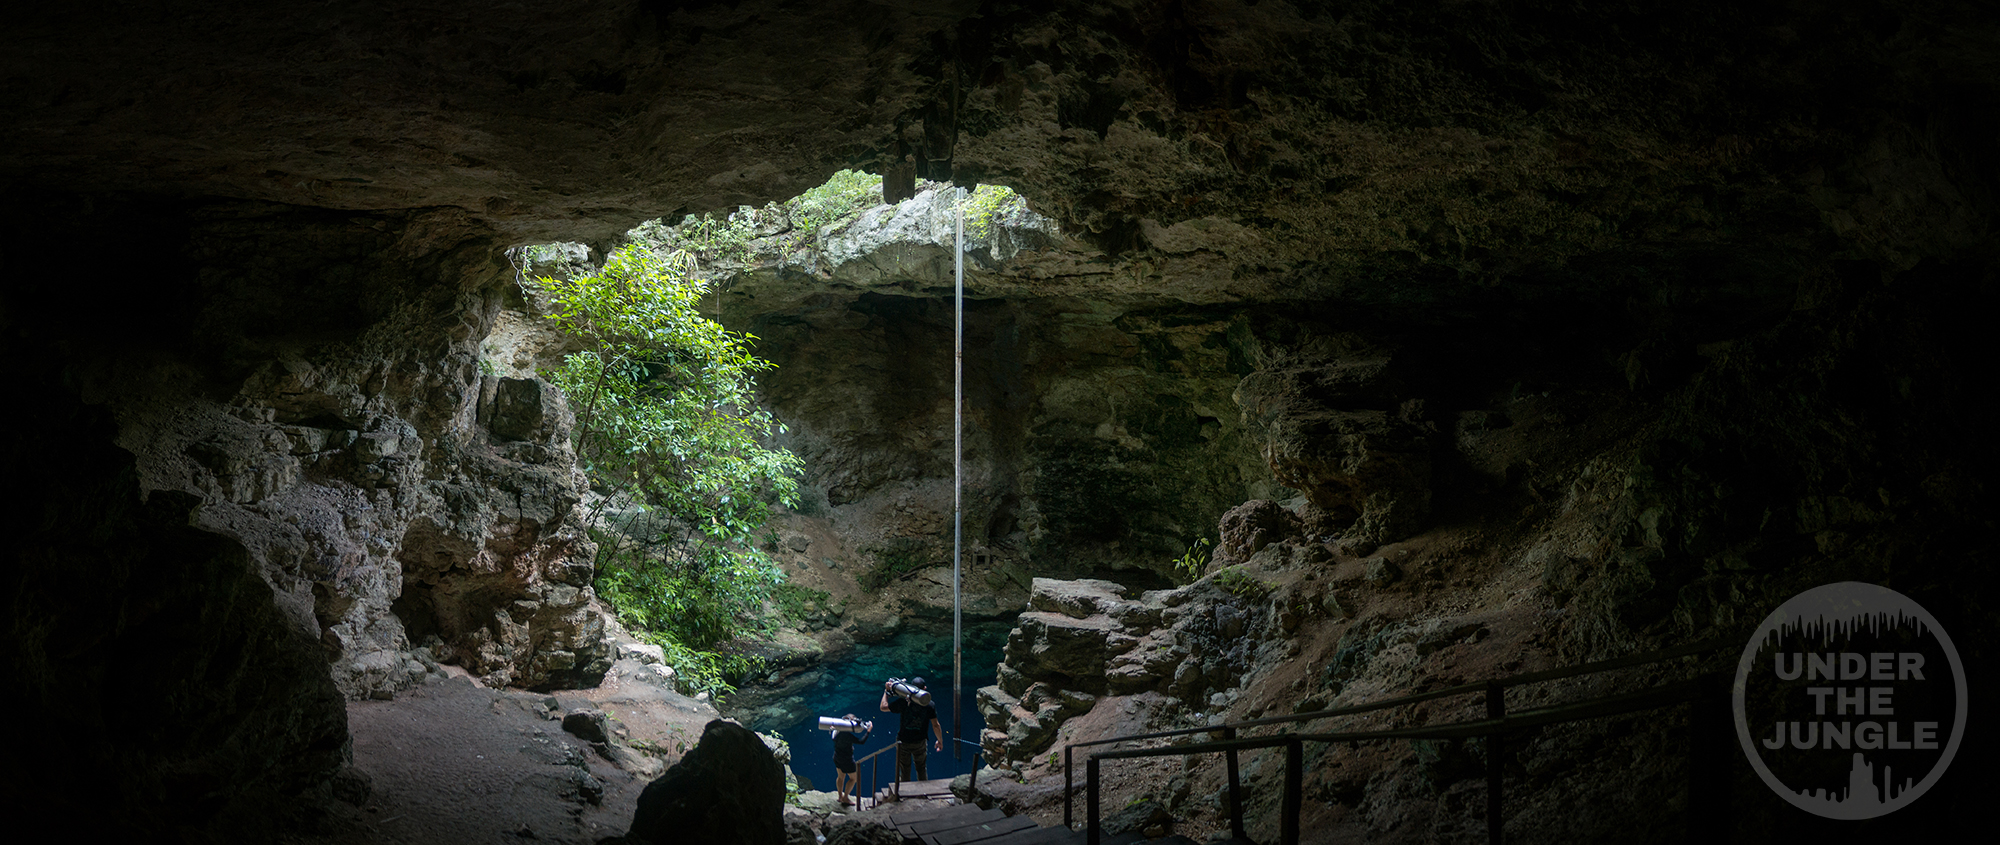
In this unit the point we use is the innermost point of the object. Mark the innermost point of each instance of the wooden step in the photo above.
(915, 789)
(1038, 836)
(982, 832)
(902, 815)
(1059, 836)
(951, 820)
(920, 788)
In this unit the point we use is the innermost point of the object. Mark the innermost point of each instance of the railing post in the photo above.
(1496, 743)
(1295, 764)
(1090, 787)
(1069, 785)
(1235, 790)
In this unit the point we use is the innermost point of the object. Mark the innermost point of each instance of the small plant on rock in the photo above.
(1190, 564)
(983, 207)
(1241, 584)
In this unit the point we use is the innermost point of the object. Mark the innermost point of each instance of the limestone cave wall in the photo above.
(1692, 292)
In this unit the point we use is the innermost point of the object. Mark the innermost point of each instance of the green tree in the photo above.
(664, 399)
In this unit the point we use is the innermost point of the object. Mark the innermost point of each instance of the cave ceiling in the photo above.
(1426, 154)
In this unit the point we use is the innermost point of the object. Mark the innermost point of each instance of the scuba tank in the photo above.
(910, 691)
(835, 723)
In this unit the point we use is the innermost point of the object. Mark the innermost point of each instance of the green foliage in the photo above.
(1190, 564)
(894, 559)
(706, 671)
(1241, 584)
(726, 239)
(697, 604)
(666, 414)
(843, 195)
(796, 602)
(984, 206)
(664, 397)
(687, 611)
(541, 253)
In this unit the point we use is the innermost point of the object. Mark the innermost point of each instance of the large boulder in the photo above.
(853, 831)
(1065, 649)
(1248, 528)
(728, 789)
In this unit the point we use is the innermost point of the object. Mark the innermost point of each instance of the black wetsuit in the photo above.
(910, 737)
(843, 750)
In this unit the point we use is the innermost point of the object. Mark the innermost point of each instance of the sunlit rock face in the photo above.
(1729, 258)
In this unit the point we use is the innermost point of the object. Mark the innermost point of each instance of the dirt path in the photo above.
(452, 762)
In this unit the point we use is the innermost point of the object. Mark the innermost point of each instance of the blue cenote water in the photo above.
(854, 685)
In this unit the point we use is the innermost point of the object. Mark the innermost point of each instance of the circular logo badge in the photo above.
(1850, 701)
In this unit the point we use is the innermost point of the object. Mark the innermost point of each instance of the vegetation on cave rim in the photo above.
(804, 219)
(984, 206)
(666, 416)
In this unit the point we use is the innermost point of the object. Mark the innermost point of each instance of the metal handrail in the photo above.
(978, 754)
(1496, 723)
(1646, 699)
(870, 760)
(896, 787)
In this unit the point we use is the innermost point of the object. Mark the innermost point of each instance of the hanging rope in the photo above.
(957, 472)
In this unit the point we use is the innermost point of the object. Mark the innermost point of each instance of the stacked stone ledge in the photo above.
(1081, 641)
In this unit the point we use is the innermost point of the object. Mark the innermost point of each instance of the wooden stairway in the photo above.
(966, 824)
(912, 790)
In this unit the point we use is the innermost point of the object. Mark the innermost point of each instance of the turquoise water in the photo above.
(854, 685)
